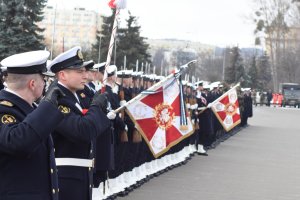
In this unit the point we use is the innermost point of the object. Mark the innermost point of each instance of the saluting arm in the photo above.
(22, 138)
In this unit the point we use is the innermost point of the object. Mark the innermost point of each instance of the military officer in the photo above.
(100, 67)
(112, 89)
(73, 138)
(27, 165)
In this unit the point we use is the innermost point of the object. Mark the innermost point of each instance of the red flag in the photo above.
(227, 110)
(112, 4)
(157, 117)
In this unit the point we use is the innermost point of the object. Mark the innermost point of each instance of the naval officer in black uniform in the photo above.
(27, 165)
(74, 136)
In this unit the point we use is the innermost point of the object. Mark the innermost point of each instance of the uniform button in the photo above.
(53, 150)
(51, 171)
(90, 186)
(91, 151)
(57, 189)
(89, 169)
(53, 191)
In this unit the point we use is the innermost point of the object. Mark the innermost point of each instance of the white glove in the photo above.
(111, 115)
(188, 106)
(122, 103)
(196, 105)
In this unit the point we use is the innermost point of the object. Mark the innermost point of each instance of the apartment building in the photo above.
(65, 29)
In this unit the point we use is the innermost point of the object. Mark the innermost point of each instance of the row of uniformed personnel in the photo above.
(77, 120)
(29, 133)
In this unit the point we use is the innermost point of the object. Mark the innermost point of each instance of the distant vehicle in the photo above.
(291, 94)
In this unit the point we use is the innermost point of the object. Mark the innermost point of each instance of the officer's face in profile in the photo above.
(127, 82)
(99, 76)
(74, 79)
(90, 76)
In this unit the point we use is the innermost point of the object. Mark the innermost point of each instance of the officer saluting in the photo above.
(74, 136)
(27, 165)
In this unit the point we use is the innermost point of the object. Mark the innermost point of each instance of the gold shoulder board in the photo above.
(6, 103)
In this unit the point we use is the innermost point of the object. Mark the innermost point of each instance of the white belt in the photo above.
(74, 162)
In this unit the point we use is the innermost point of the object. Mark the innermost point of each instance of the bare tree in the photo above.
(273, 22)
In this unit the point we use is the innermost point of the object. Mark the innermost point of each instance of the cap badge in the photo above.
(79, 54)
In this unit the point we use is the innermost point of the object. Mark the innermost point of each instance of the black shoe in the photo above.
(202, 154)
(123, 193)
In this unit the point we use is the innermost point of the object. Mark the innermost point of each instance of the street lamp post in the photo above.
(223, 69)
(224, 63)
(99, 51)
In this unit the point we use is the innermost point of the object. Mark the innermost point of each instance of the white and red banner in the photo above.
(227, 110)
(157, 117)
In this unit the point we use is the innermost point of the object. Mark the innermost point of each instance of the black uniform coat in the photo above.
(73, 138)
(119, 126)
(105, 160)
(27, 165)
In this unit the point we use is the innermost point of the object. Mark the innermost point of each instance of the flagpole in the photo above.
(121, 4)
(137, 65)
(157, 85)
(111, 44)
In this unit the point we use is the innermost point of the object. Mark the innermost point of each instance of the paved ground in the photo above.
(262, 162)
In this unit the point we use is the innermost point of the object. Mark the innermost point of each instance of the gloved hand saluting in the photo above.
(100, 100)
(53, 95)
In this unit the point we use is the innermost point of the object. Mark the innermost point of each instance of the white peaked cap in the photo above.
(70, 59)
(111, 70)
(31, 62)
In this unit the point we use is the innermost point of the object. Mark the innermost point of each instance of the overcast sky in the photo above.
(216, 22)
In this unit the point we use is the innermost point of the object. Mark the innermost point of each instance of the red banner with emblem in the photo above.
(226, 109)
(157, 117)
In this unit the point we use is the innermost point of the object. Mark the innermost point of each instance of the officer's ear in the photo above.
(32, 84)
(62, 75)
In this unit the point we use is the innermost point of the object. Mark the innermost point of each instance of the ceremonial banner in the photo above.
(227, 110)
(157, 117)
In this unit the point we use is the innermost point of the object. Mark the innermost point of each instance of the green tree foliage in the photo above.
(129, 43)
(252, 73)
(235, 72)
(264, 76)
(103, 39)
(18, 29)
(132, 45)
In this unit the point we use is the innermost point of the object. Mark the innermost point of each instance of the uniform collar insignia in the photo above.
(82, 95)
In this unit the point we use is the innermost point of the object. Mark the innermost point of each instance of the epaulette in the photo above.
(6, 103)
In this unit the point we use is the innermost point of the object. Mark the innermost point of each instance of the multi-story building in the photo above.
(65, 29)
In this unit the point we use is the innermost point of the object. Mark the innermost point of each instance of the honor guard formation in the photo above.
(61, 139)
